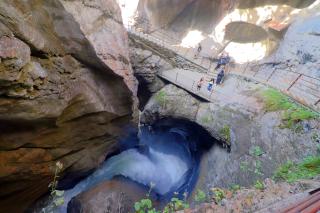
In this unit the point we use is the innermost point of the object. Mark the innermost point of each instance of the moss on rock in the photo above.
(293, 112)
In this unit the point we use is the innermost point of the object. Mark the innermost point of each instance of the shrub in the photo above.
(226, 134)
(200, 196)
(218, 195)
(175, 205)
(291, 172)
(144, 206)
(57, 195)
(235, 187)
(259, 185)
(256, 151)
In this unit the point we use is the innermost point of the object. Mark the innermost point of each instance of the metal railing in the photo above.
(190, 84)
(161, 37)
(166, 40)
(299, 78)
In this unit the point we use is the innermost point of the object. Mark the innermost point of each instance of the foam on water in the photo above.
(163, 158)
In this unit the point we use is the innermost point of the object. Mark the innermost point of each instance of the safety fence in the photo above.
(303, 88)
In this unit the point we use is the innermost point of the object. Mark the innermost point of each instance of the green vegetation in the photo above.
(255, 168)
(57, 195)
(175, 205)
(206, 119)
(225, 132)
(315, 137)
(291, 172)
(218, 195)
(258, 167)
(235, 187)
(259, 185)
(144, 206)
(244, 166)
(200, 196)
(256, 151)
(293, 113)
(161, 98)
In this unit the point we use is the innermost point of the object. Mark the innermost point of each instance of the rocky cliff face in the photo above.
(183, 15)
(66, 89)
(258, 142)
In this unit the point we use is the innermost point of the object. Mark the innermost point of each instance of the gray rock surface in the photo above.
(300, 47)
(237, 117)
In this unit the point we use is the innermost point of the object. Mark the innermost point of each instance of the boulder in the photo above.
(66, 91)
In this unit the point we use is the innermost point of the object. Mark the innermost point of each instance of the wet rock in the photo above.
(66, 90)
(117, 195)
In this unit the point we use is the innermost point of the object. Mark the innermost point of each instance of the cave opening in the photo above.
(166, 154)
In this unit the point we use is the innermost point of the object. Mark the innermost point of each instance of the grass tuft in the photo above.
(226, 134)
(293, 112)
(161, 97)
(291, 172)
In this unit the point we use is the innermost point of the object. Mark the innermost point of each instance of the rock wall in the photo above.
(238, 116)
(66, 90)
(182, 15)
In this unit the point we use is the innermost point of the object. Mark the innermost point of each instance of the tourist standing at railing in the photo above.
(220, 76)
(223, 60)
(210, 84)
(199, 49)
(199, 84)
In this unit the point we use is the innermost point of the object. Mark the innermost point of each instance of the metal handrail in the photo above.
(163, 38)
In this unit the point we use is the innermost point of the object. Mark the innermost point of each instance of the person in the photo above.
(199, 49)
(199, 84)
(220, 76)
(210, 84)
(223, 60)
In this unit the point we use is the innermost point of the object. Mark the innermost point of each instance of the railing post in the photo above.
(295, 81)
(245, 69)
(177, 77)
(211, 93)
(255, 73)
(192, 85)
(271, 75)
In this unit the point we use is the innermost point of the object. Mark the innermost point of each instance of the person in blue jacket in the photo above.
(220, 76)
(210, 84)
(223, 60)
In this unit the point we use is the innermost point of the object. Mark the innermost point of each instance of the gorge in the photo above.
(82, 83)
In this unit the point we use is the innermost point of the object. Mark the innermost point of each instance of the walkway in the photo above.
(187, 80)
(303, 88)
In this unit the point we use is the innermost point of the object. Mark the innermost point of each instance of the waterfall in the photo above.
(161, 157)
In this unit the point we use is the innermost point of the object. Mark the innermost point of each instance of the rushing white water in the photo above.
(163, 159)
